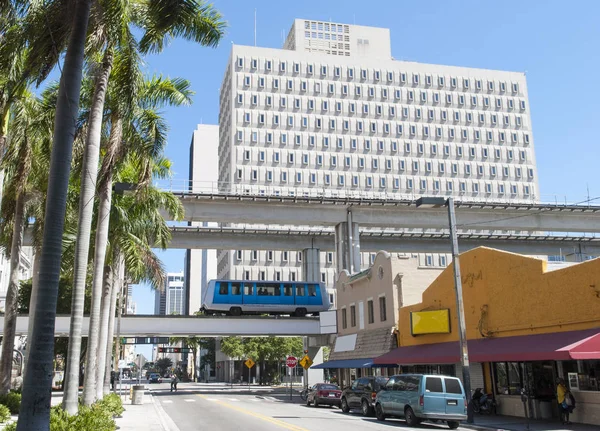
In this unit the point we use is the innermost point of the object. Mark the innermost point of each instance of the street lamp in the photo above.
(438, 202)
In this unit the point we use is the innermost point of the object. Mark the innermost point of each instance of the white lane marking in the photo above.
(211, 399)
(233, 399)
(189, 401)
(167, 401)
(255, 400)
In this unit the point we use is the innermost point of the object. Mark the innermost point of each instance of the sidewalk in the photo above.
(512, 423)
(149, 416)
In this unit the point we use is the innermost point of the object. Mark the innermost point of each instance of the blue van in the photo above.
(418, 397)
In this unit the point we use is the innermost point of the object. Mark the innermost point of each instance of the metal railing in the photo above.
(236, 189)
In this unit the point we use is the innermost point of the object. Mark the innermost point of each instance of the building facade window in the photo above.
(382, 309)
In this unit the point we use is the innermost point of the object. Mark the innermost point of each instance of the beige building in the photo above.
(368, 306)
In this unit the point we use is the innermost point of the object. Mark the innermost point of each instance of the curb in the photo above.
(482, 428)
(166, 422)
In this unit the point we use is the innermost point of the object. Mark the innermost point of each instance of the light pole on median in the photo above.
(438, 202)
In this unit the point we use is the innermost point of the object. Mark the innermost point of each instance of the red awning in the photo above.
(441, 353)
(588, 348)
(558, 346)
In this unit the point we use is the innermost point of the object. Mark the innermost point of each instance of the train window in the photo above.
(248, 289)
(288, 290)
(312, 290)
(236, 288)
(300, 290)
(269, 289)
(223, 289)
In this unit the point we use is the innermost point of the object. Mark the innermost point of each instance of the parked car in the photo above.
(323, 393)
(418, 397)
(362, 394)
(154, 378)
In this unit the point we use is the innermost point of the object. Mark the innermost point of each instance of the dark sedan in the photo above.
(154, 378)
(323, 393)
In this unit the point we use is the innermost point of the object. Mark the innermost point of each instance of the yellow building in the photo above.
(526, 324)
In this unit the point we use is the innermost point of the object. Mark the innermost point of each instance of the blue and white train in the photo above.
(236, 297)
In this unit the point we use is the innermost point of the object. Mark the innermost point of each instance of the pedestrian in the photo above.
(563, 397)
(112, 380)
(174, 381)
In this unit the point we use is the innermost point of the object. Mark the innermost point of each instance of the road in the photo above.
(221, 408)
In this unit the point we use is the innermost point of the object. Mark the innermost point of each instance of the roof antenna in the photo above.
(588, 193)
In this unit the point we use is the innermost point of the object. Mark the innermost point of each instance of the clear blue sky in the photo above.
(554, 42)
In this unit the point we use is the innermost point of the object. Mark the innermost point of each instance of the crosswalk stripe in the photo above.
(233, 399)
(167, 401)
(189, 401)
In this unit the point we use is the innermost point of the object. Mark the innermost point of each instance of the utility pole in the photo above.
(464, 351)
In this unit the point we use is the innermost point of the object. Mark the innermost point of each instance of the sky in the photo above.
(554, 42)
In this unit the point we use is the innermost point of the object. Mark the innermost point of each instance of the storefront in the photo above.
(526, 326)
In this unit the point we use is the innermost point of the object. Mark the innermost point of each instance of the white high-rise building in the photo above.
(175, 294)
(333, 114)
(201, 265)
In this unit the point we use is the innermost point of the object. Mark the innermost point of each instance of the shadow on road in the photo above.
(393, 421)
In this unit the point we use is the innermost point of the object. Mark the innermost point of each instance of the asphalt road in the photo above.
(221, 408)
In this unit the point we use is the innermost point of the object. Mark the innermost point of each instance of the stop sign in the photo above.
(291, 361)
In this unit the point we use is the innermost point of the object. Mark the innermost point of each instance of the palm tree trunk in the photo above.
(119, 313)
(195, 372)
(4, 116)
(35, 284)
(103, 335)
(89, 175)
(12, 297)
(105, 196)
(116, 287)
(37, 386)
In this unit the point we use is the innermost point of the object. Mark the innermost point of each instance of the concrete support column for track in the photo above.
(347, 246)
(311, 265)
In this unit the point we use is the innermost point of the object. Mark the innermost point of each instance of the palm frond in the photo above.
(190, 19)
(158, 92)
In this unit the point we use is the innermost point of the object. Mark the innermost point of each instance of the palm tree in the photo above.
(136, 226)
(19, 163)
(32, 37)
(146, 138)
(159, 21)
(86, 205)
(35, 404)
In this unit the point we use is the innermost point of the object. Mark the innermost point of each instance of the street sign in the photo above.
(249, 363)
(174, 350)
(291, 361)
(122, 364)
(306, 362)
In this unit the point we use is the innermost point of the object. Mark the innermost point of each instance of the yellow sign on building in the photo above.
(430, 322)
(306, 362)
(249, 363)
